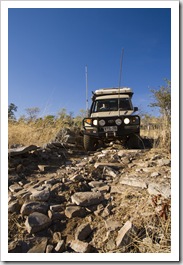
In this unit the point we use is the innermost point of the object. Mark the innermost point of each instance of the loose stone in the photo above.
(80, 246)
(30, 207)
(73, 211)
(42, 195)
(83, 231)
(36, 222)
(126, 234)
(87, 198)
(40, 247)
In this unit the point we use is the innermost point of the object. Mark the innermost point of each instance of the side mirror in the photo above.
(135, 109)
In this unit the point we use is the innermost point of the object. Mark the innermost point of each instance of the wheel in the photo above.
(135, 142)
(90, 144)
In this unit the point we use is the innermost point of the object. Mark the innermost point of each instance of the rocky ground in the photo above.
(62, 199)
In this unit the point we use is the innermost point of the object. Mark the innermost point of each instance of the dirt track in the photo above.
(132, 189)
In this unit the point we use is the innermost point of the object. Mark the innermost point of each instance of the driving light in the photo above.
(126, 121)
(135, 120)
(95, 122)
(88, 122)
(101, 122)
(118, 121)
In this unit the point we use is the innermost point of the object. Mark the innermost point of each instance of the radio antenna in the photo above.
(121, 61)
(120, 74)
(86, 74)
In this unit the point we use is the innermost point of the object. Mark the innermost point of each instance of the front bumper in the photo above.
(112, 130)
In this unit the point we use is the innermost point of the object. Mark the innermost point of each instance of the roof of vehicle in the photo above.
(112, 91)
(111, 96)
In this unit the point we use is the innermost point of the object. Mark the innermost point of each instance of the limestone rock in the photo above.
(80, 246)
(156, 188)
(15, 187)
(164, 162)
(57, 237)
(73, 211)
(76, 177)
(83, 231)
(112, 224)
(122, 153)
(117, 189)
(56, 208)
(134, 182)
(36, 222)
(87, 198)
(110, 172)
(96, 184)
(40, 247)
(126, 234)
(155, 174)
(14, 207)
(30, 207)
(104, 189)
(56, 215)
(60, 247)
(17, 247)
(46, 168)
(107, 164)
(107, 211)
(42, 195)
(13, 178)
(22, 150)
(49, 248)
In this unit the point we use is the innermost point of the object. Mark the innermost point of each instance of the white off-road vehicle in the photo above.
(111, 118)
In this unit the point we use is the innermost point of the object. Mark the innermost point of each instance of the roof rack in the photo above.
(112, 91)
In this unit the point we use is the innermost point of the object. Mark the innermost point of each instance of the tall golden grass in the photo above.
(42, 132)
(161, 134)
(31, 133)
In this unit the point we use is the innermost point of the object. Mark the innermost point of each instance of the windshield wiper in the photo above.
(123, 110)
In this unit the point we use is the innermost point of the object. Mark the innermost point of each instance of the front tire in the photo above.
(90, 144)
(135, 142)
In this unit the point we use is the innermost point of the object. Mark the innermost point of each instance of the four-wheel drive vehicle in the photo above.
(111, 118)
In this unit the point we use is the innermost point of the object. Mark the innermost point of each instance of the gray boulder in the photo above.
(36, 222)
(87, 198)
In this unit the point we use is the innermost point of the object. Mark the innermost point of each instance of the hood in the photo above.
(112, 113)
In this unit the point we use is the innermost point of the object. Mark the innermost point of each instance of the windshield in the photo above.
(111, 105)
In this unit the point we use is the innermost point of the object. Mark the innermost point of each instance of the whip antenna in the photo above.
(121, 61)
(120, 74)
(86, 74)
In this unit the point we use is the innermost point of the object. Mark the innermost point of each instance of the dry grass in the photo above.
(39, 133)
(161, 136)
(31, 133)
(154, 230)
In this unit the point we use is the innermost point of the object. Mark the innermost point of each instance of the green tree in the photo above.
(32, 113)
(11, 109)
(162, 99)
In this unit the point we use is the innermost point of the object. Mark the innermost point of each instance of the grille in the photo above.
(110, 121)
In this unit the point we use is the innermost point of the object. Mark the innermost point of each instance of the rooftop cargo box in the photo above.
(113, 91)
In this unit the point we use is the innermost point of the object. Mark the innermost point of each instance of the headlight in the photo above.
(118, 121)
(126, 121)
(101, 122)
(95, 122)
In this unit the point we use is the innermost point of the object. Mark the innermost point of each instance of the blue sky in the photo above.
(49, 48)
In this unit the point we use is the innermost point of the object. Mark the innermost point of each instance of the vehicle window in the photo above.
(125, 104)
(111, 105)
